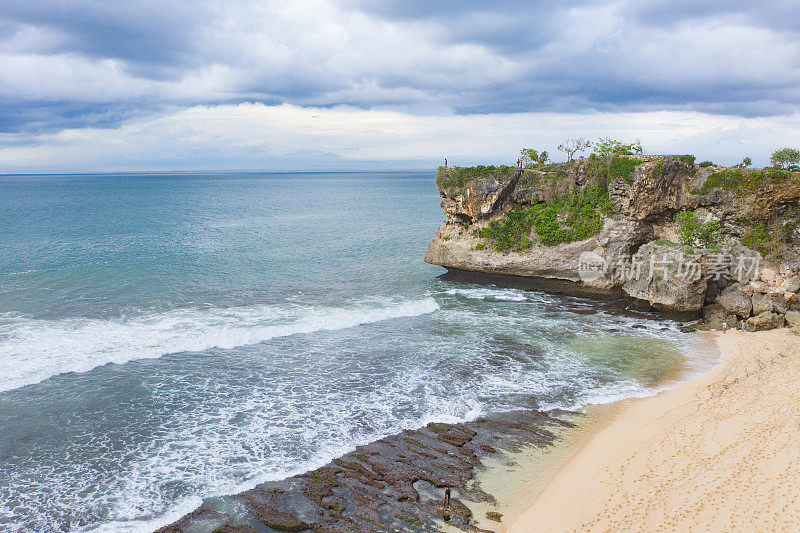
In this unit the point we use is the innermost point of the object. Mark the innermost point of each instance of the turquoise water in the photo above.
(165, 338)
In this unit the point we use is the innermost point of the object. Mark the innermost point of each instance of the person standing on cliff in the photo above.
(446, 502)
(445, 162)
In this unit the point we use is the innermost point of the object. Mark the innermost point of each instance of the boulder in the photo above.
(669, 286)
(714, 315)
(757, 286)
(779, 303)
(762, 303)
(791, 298)
(764, 321)
(736, 301)
(792, 318)
(791, 285)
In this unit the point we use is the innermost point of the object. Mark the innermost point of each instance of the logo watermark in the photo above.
(691, 267)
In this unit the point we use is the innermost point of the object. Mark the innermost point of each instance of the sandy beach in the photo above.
(717, 453)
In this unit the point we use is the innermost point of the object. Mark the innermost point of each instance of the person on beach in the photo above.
(446, 502)
(743, 326)
(724, 327)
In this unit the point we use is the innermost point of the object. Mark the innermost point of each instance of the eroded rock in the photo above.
(375, 487)
(736, 301)
(764, 321)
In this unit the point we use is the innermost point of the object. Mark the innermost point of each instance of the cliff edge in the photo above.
(685, 238)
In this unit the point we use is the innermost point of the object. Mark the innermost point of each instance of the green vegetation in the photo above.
(623, 167)
(694, 232)
(530, 179)
(785, 157)
(742, 181)
(574, 218)
(658, 169)
(457, 177)
(686, 158)
(606, 146)
(706, 164)
(532, 158)
(757, 236)
(555, 167)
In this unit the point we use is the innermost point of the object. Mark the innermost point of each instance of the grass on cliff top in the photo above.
(529, 178)
(742, 181)
(574, 218)
(623, 167)
(457, 177)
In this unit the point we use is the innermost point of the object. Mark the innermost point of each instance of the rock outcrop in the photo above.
(627, 243)
(393, 484)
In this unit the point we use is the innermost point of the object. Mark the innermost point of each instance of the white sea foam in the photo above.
(33, 350)
(512, 295)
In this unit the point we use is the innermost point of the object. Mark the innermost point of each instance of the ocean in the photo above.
(170, 337)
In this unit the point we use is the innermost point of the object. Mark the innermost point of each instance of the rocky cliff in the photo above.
(708, 241)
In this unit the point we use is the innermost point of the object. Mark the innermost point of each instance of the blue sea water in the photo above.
(165, 338)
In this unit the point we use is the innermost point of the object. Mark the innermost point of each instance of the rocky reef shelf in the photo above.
(393, 484)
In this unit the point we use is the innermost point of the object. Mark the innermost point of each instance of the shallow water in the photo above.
(165, 338)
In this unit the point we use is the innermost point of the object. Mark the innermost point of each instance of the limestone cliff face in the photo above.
(637, 235)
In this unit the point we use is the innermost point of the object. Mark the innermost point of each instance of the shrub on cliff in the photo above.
(742, 181)
(694, 232)
(623, 167)
(457, 177)
(757, 235)
(606, 146)
(574, 218)
(785, 157)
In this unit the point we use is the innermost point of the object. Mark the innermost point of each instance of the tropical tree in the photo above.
(746, 162)
(605, 146)
(573, 146)
(529, 157)
(785, 157)
(543, 158)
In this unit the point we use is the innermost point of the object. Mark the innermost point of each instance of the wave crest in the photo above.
(34, 350)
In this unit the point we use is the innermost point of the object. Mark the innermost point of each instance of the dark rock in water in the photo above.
(688, 329)
(395, 483)
(638, 326)
(612, 330)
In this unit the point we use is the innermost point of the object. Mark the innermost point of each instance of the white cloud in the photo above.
(259, 137)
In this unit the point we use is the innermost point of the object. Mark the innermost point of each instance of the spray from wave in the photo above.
(34, 350)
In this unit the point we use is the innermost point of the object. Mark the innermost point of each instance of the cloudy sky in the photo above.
(89, 85)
